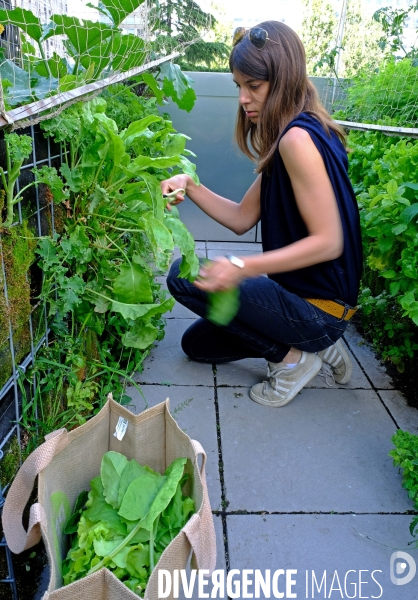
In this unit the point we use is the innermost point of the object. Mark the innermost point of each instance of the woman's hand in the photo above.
(218, 275)
(177, 182)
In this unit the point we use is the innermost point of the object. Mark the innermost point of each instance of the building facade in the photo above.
(44, 9)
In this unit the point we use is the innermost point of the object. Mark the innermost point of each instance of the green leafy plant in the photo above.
(96, 49)
(105, 307)
(386, 96)
(393, 336)
(118, 234)
(405, 456)
(93, 46)
(68, 383)
(365, 148)
(223, 306)
(383, 172)
(389, 216)
(18, 149)
(124, 105)
(126, 521)
(393, 23)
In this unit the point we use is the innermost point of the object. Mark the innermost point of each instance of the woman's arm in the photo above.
(318, 207)
(237, 217)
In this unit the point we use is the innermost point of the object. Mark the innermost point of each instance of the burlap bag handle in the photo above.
(20, 491)
(200, 529)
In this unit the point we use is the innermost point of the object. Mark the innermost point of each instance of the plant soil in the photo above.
(30, 568)
(406, 382)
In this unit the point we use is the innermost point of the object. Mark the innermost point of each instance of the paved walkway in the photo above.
(309, 486)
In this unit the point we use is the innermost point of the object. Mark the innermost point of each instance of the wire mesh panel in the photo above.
(9, 578)
(54, 53)
(369, 52)
(63, 47)
(23, 324)
(9, 42)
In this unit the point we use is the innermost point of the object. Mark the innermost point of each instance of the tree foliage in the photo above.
(359, 49)
(394, 22)
(178, 23)
(319, 28)
(183, 25)
(205, 56)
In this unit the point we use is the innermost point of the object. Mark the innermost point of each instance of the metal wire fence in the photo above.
(23, 320)
(23, 328)
(9, 39)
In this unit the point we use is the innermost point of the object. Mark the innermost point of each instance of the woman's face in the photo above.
(252, 94)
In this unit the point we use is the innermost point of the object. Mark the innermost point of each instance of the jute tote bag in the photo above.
(66, 462)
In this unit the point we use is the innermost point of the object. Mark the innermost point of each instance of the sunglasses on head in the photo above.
(257, 35)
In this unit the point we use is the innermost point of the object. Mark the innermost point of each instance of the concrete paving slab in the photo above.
(253, 370)
(167, 362)
(241, 373)
(318, 543)
(367, 358)
(199, 249)
(327, 450)
(194, 410)
(234, 246)
(201, 246)
(240, 253)
(405, 416)
(179, 311)
(220, 563)
(162, 280)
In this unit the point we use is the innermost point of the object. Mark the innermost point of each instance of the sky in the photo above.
(249, 10)
(263, 10)
(79, 9)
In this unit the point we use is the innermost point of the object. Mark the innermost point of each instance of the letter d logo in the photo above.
(400, 568)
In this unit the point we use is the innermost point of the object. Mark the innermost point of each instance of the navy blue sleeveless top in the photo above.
(282, 224)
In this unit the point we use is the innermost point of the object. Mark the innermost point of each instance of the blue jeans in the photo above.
(270, 321)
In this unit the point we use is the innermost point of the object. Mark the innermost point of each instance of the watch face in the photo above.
(235, 260)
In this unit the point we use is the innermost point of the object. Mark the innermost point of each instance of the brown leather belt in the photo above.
(333, 308)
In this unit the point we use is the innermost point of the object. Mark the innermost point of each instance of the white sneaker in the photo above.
(337, 357)
(285, 382)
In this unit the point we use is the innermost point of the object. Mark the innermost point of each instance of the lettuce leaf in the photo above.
(129, 517)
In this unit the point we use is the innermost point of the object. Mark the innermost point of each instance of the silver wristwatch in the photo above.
(235, 260)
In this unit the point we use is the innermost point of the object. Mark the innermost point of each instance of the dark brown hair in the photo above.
(290, 92)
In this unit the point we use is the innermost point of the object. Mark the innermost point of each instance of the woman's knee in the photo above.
(193, 340)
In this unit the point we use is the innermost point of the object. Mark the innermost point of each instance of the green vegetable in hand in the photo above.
(127, 520)
(223, 306)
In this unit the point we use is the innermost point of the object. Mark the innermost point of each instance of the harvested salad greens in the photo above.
(126, 520)
(223, 306)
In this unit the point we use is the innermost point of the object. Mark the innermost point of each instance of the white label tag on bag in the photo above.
(121, 427)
